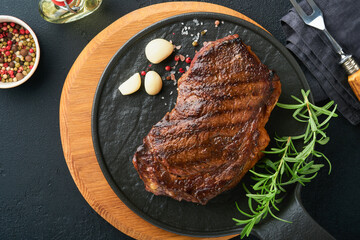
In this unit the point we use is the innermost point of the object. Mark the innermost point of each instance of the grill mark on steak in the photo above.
(192, 149)
(198, 130)
(222, 84)
(199, 108)
(215, 133)
(233, 92)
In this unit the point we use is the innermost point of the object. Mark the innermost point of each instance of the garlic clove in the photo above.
(131, 85)
(158, 49)
(153, 83)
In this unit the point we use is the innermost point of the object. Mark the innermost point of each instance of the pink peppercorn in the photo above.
(143, 73)
(181, 70)
(27, 31)
(22, 31)
(177, 58)
(9, 42)
(15, 31)
(31, 50)
(167, 68)
(4, 28)
(8, 48)
(7, 53)
(188, 60)
(12, 24)
(31, 66)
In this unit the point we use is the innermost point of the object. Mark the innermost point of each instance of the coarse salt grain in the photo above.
(184, 31)
(196, 22)
(196, 38)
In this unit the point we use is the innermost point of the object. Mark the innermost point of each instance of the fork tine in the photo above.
(300, 11)
(315, 19)
(314, 6)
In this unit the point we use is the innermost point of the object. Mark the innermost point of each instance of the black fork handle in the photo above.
(303, 227)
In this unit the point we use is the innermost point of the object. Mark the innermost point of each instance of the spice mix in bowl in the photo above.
(19, 52)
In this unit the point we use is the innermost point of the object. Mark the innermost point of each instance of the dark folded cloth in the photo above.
(326, 77)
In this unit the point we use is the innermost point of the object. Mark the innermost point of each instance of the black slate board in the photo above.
(119, 123)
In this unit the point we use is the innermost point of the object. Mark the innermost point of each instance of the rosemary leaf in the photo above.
(291, 166)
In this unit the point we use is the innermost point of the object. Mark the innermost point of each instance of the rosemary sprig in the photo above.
(291, 166)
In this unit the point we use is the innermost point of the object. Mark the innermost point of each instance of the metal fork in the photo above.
(316, 20)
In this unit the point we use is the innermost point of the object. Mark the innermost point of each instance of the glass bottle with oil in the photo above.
(64, 11)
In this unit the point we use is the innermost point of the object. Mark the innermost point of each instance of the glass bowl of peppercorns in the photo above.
(19, 52)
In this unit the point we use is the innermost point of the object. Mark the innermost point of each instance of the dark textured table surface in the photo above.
(38, 198)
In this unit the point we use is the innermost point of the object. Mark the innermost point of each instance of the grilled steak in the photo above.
(215, 133)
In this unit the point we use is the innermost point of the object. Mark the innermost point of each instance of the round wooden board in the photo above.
(75, 114)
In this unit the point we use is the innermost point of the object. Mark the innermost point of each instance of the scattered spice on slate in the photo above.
(172, 77)
(182, 58)
(17, 52)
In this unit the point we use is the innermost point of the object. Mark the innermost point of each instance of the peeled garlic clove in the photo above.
(131, 85)
(158, 50)
(153, 83)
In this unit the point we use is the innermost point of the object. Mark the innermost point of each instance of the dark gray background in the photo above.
(38, 198)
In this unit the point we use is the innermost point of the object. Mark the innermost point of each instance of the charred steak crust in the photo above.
(215, 133)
